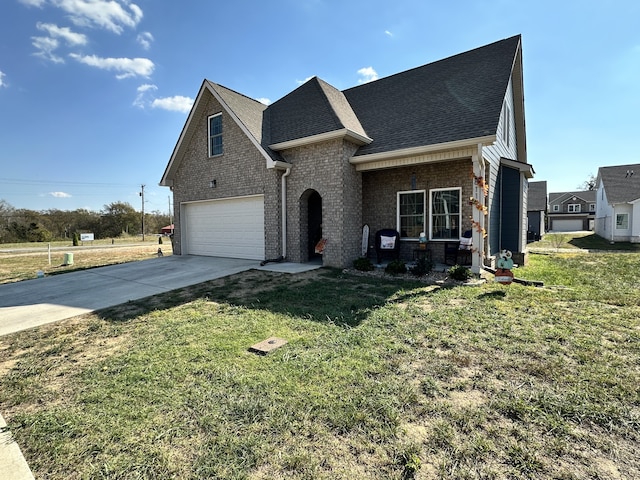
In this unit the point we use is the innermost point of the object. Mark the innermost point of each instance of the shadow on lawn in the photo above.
(324, 295)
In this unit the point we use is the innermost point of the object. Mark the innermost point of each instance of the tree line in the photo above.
(114, 220)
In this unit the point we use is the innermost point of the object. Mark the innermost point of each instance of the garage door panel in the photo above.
(226, 228)
(567, 225)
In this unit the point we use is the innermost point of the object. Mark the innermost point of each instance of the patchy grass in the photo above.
(380, 379)
(15, 267)
(581, 240)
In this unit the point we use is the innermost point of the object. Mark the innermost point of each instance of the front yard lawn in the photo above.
(380, 379)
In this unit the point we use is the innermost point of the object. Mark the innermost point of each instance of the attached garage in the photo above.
(567, 225)
(232, 228)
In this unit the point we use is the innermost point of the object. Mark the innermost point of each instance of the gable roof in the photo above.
(314, 108)
(587, 196)
(457, 98)
(621, 182)
(537, 196)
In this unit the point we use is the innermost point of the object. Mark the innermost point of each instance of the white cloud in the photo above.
(142, 91)
(263, 100)
(368, 74)
(177, 103)
(45, 47)
(33, 3)
(65, 33)
(302, 82)
(2, 82)
(145, 39)
(60, 194)
(388, 33)
(126, 67)
(108, 14)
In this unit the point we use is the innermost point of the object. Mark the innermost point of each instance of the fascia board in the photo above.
(422, 150)
(167, 177)
(343, 133)
(526, 168)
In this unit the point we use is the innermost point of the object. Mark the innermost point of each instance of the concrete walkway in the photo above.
(40, 301)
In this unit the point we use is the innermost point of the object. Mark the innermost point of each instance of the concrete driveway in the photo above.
(36, 302)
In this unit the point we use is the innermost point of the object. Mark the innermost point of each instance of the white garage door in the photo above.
(232, 228)
(570, 225)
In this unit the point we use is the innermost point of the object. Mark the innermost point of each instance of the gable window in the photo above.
(592, 207)
(506, 121)
(446, 214)
(556, 208)
(411, 213)
(622, 221)
(574, 208)
(215, 134)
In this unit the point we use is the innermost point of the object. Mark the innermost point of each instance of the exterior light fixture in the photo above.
(213, 183)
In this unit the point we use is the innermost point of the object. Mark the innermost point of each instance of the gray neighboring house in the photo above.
(572, 211)
(618, 203)
(536, 210)
(412, 152)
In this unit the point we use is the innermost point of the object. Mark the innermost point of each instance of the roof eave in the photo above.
(343, 133)
(421, 150)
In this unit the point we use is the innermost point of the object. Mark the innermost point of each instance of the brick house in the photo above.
(413, 152)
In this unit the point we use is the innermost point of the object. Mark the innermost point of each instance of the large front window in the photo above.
(215, 135)
(411, 213)
(445, 214)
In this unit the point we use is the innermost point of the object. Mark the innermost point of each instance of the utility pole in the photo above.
(142, 195)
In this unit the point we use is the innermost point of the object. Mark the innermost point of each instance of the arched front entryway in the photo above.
(310, 224)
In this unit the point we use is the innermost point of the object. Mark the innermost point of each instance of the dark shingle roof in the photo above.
(621, 182)
(313, 108)
(457, 98)
(537, 196)
(588, 196)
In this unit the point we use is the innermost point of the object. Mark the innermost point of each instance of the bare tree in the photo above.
(589, 183)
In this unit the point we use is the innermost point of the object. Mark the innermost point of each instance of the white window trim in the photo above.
(209, 134)
(459, 189)
(425, 215)
(627, 221)
(574, 208)
(556, 208)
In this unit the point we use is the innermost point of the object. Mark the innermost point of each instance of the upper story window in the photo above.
(446, 214)
(556, 208)
(592, 207)
(574, 208)
(411, 213)
(215, 134)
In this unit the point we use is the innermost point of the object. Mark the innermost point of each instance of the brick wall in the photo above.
(325, 168)
(380, 190)
(239, 171)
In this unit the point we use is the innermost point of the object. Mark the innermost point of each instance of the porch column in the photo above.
(478, 217)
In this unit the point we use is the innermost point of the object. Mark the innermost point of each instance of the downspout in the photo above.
(284, 211)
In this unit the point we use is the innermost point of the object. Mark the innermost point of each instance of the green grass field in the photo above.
(380, 379)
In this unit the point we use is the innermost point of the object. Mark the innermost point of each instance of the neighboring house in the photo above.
(411, 152)
(572, 211)
(536, 210)
(618, 198)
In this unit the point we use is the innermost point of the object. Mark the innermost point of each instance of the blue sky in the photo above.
(94, 93)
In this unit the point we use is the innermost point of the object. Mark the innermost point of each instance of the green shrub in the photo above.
(396, 267)
(422, 267)
(458, 272)
(363, 264)
(76, 239)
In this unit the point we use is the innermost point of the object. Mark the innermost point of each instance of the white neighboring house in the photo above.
(618, 203)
